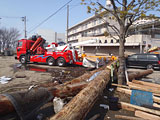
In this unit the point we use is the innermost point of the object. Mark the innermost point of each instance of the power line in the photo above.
(9, 17)
(50, 16)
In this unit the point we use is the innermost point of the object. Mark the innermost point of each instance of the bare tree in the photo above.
(8, 38)
(125, 13)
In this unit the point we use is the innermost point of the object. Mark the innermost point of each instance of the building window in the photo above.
(111, 40)
(100, 20)
(94, 23)
(94, 31)
(86, 26)
(82, 27)
(117, 41)
(99, 30)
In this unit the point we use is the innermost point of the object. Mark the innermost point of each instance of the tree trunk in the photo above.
(121, 71)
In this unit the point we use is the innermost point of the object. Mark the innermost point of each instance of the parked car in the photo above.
(149, 61)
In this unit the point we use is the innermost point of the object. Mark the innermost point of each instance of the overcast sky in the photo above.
(36, 11)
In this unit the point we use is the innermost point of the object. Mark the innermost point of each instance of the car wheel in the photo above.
(149, 66)
(61, 62)
(23, 59)
(51, 61)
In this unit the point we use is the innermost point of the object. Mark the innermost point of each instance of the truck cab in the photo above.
(23, 46)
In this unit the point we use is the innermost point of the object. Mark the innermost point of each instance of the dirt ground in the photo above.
(35, 74)
(24, 76)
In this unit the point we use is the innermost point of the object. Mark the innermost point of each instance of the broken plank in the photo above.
(146, 83)
(135, 107)
(156, 105)
(127, 117)
(118, 85)
(144, 88)
(146, 116)
(129, 92)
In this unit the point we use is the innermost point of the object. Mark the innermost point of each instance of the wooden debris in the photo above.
(156, 105)
(146, 116)
(67, 90)
(118, 85)
(135, 107)
(144, 88)
(146, 83)
(127, 91)
(135, 75)
(95, 117)
(127, 117)
(80, 105)
(5, 105)
(59, 90)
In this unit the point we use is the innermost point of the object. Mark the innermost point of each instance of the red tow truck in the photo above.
(32, 50)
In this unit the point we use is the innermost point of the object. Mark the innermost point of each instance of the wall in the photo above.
(49, 35)
(130, 39)
(92, 50)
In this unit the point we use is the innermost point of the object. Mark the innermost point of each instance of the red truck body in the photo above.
(33, 51)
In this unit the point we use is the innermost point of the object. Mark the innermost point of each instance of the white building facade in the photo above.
(95, 27)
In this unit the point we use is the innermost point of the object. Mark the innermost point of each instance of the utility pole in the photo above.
(56, 37)
(67, 21)
(25, 31)
(0, 21)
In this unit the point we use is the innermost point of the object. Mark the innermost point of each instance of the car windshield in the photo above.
(20, 44)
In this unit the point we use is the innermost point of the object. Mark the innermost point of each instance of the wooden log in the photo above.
(129, 92)
(61, 90)
(5, 105)
(156, 105)
(57, 91)
(127, 117)
(80, 105)
(135, 75)
(146, 83)
(146, 116)
(123, 90)
(156, 99)
(67, 90)
(95, 117)
(145, 88)
(135, 107)
(123, 86)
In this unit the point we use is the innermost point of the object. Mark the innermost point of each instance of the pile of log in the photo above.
(86, 93)
(81, 104)
(141, 112)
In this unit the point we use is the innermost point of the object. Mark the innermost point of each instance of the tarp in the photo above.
(141, 98)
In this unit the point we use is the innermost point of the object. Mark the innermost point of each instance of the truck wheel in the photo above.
(61, 62)
(51, 61)
(149, 66)
(23, 59)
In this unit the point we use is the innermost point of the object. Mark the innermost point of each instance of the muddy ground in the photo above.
(24, 76)
(35, 74)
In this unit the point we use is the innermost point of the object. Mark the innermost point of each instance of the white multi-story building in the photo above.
(142, 35)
